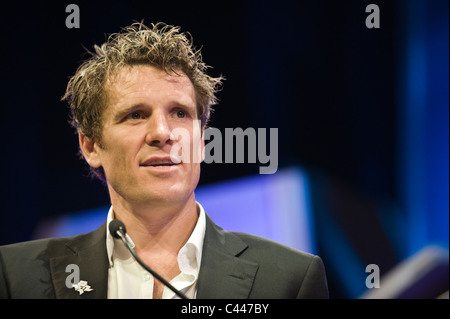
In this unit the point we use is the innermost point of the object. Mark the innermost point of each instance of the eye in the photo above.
(181, 114)
(135, 116)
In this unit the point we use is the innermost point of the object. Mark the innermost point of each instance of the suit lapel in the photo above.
(88, 252)
(222, 274)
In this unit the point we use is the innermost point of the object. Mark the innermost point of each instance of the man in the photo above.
(127, 101)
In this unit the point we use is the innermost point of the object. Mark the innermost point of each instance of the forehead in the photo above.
(145, 81)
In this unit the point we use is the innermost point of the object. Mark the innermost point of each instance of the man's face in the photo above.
(144, 106)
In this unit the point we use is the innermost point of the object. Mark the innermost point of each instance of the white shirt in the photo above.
(128, 280)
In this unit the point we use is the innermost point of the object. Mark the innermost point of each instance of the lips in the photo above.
(158, 162)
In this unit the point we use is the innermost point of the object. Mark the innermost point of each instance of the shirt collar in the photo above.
(189, 256)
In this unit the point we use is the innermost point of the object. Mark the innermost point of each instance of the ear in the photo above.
(90, 150)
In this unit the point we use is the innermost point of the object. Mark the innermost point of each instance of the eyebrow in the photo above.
(123, 112)
(134, 107)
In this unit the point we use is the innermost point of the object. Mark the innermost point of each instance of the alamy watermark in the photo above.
(229, 147)
(74, 277)
(373, 19)
(373, 279)
(73, 19)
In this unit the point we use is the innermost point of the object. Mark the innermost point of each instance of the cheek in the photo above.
(196, 149)
(120, 151)
(197, 145)
(188, 145)
(191, 177)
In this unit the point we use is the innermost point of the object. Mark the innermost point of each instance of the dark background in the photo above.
(335, 90)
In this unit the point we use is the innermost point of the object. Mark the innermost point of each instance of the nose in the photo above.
(158, 130)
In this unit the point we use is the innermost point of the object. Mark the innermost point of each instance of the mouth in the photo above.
(159, 163)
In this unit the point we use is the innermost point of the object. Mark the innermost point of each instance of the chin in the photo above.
(172, 194)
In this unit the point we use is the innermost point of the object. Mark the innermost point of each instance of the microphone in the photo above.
(118, 230)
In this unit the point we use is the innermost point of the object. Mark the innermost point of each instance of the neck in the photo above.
(158, 228)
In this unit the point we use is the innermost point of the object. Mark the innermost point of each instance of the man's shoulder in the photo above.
(35, 246)
(261, 246)
(41, 249)
(30, 248)
(28, 256)
(259, 249)
(290, 272)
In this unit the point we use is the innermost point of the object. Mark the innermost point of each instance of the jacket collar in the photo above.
(88, 252)
(222, 274)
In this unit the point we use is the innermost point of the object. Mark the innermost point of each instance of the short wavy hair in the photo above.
(159, 45)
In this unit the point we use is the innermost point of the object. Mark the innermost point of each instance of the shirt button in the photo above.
(147, 277)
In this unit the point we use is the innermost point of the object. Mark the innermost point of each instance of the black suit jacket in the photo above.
(234, 265)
